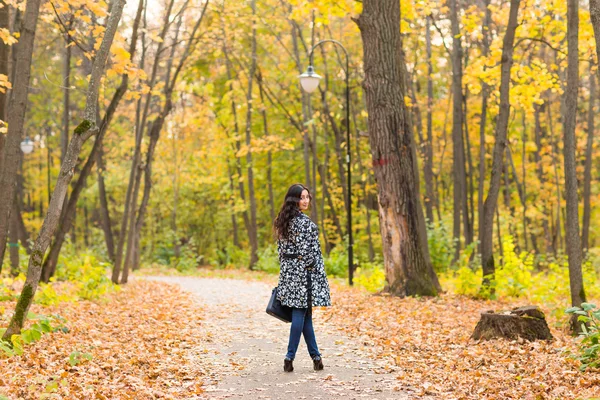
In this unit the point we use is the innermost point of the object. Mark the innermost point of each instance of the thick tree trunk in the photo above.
(392, 150)
(573, 240)
(490, 204)
(16, 118)
(82, 132)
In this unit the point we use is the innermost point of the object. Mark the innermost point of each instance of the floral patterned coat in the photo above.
(303, 241)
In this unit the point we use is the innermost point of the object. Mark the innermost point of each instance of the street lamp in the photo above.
(27, 145)
(309, 82)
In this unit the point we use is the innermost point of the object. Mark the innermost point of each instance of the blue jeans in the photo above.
(302, 324)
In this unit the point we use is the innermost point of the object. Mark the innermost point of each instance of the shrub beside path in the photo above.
(247, 348)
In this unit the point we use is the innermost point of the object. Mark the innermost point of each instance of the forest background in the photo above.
(207, 127)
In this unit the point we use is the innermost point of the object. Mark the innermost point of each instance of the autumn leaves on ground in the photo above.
(149, 340)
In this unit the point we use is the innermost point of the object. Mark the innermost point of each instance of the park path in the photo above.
(246, 347)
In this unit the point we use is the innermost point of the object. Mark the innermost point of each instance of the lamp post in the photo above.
(309, 82)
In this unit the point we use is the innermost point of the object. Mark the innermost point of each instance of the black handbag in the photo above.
(278, 310)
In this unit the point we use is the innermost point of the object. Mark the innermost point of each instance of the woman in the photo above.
(302, 279)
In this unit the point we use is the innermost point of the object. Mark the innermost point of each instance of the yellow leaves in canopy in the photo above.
(265, 144)
(7, 38)
(324, 10)
(4, 83)
(472, 21)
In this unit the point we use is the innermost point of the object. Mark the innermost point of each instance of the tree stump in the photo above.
(526, 322)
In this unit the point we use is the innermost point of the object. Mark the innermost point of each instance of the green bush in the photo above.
(42, 324)
(268, 260)
(86, 272)
(371, 276)
(336, 264)
(589, 316)
(441, 247)
(230, 256)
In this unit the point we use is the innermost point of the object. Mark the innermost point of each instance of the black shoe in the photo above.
(288, 365)
(318, 364)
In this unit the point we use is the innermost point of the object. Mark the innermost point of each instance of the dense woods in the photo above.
(166, 133)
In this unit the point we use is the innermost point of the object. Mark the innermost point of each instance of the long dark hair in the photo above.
(289, 210)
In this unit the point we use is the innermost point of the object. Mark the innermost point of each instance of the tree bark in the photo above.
(573, 240)
(263, 112)
(16, 118)
(4, 57)
(82, 132)
(66, 83)
(587, 174)
(486, 232)
(539, 133)
(392, 150)
(595, 17)
(253, 231)
(104, 213)
(482, 122)
(430, 198)
(458, 156)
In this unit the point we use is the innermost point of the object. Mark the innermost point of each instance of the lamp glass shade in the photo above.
(27, 146)
(309, 80)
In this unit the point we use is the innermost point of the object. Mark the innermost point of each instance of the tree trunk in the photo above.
(573, 240)
(486, 232)
(66, 83)
(134, 253)
(13, 241)
(296, 33)
(4, 56)
(363, 185)
(238, 165)
(430, 198)
(587, 174)
(68, 214)
(16, 117)
(139, 133)
(82, 132)
(253, 231)
(104, 213)
(392, 150)
(458, 156)
(539, 133)
(595, 17)
(263, 112)
(482, 122)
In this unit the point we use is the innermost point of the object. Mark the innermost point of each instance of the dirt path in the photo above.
(247, 348)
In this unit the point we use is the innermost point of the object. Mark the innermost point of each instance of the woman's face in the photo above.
(304, 200)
